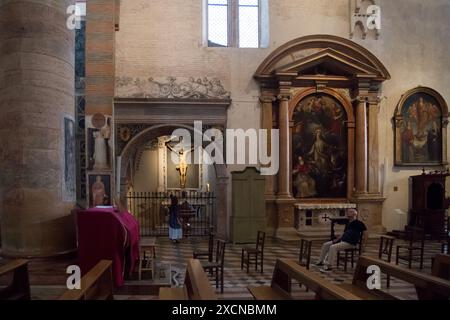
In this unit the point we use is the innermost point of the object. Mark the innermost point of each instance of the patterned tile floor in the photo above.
(236, 280)
(48, 278)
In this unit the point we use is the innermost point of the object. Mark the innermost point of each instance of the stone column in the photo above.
(361, 146)
(284, 188)
(284, 228)
(37, 90)
(373, 161)
(267, 124)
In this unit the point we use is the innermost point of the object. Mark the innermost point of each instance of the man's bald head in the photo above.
(352, 214)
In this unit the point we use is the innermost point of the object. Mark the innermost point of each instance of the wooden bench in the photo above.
(427, 287)
(441, 266)
(97, 284)
(19, 289)
(196, 285)
(285, 271)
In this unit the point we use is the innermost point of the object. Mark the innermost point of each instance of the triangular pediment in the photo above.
(327, 62)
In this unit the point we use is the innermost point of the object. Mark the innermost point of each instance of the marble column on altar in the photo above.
(373, 157)
(361, 145)
(284, 188)
(285, 201)
(367, 190)
(267, 101)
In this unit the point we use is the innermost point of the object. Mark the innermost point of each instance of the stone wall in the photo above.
(159, 38)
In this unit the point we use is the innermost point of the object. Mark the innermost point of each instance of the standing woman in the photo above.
(175, 230)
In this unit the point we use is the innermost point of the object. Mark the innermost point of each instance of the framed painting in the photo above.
(99, 190)
(320, 148)
(421, 129)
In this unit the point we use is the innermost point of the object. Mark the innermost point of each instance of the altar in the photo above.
(314, 220)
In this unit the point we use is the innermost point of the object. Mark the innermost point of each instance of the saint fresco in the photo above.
(420, 130)
(100, 190)
(320, 148)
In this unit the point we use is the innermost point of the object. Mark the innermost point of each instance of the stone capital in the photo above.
(284, 96)
(267, 98)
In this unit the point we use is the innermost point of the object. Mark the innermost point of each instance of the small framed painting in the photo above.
(420, 124)
(99, 190)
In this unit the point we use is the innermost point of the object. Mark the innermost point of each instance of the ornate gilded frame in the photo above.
(398, 123)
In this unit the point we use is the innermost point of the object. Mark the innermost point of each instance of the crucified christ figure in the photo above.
(182, 166)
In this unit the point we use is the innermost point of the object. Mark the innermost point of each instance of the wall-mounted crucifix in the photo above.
(182, 166)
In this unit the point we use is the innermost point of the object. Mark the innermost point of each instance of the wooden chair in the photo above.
(147, 255)
(349, 254)
(97, 284)
(248, 252)
(206, 253)
(217, 266)
(414, 249)
(19, 289)
(385, 252)
(305, 252)
(196, 285)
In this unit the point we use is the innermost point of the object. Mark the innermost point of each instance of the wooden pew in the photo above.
(19, 289)
(285, 271)
(441, 266)
(427, 287)
(196, 285)
(97, 284)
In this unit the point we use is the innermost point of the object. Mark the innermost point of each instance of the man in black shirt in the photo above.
(354, 231)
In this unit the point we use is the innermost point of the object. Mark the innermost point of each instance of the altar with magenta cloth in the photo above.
(108, 234)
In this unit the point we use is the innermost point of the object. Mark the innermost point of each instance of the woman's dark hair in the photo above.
(173, 200)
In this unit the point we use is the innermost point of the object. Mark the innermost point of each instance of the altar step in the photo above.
(293, 235)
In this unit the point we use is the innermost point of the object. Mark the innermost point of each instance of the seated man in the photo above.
(349, 239)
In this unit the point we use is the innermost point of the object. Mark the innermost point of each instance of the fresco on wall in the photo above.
(100, 190)
(319, 148)
(69, 181)
(420, 131)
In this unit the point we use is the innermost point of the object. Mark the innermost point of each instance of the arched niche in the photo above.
(152, 132)
(411, 122)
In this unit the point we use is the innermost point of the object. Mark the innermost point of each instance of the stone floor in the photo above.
(48, 277)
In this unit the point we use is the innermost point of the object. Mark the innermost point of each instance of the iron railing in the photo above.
(152, 211)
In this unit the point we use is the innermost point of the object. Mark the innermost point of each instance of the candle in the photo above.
(207, 187)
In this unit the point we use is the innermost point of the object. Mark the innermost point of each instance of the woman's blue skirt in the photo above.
(175, 234)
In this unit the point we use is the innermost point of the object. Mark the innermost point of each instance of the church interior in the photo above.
(224, 149)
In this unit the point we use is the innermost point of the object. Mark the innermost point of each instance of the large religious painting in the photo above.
(419, 131)
(69, 181)
(99, 190)
(320, 148)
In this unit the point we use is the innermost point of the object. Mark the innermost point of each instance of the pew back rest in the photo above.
(285, 270)
(441, 266)
(427, 286)
(197, 284)
(97, 284)
(19, 289)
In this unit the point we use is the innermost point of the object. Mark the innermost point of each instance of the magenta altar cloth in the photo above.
(107, 234)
